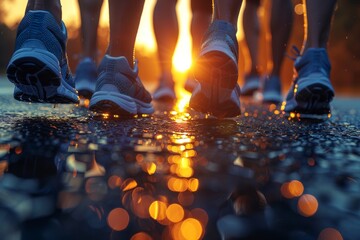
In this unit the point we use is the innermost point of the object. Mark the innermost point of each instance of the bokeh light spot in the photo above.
(118, 219)
(175, 213)
(296, 188)
(191, 229)
(307, 205)
(157, 210)
(330, 234)
(141, 236)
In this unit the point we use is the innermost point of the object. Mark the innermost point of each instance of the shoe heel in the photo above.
(35, 72)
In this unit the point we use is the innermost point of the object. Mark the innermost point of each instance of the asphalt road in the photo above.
(66, 173)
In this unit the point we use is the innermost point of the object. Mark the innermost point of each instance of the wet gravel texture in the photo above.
(67, 174)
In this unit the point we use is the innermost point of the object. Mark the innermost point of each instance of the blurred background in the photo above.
(344, 47)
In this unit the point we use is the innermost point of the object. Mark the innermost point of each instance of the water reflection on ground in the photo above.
(67, 174)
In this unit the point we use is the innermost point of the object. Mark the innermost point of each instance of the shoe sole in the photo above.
(312, 101)
(37, 75)
(117, 103)
(217, 74)
(85, 88)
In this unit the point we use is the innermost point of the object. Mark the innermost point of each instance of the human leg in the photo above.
(166, 31)
(280, 26)
(90, 15)
(216, 68)
(52, 6)
(39, 67)
(311, 92)
(200, 21)
(251, 31)
(86, 71)
(118, 88)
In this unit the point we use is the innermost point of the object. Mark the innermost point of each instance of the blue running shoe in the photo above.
(311, 91)
(39, 67)
(165, 91)
(216, 70)
(119, 89)
(271, 90)
(85, 77)
(251, 85)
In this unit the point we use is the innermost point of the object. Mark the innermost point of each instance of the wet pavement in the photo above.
(68, 174)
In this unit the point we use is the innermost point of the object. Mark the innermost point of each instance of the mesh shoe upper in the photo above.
(315, 64)
(39, 29)
(311, 91)
(224, 32)
(116, 75)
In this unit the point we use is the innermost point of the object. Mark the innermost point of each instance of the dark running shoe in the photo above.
(190, 84)
(119, 89)
(251, 85)
(311, 91)
(39, 67)
(216, 70)
(85, 78)
(271, 90)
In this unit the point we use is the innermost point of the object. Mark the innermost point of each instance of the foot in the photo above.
(39, 67)
(119, 89)
(165, 90)
(311, 91)
(271, 90)
(217, 72)
(85, 78)
(251, 85)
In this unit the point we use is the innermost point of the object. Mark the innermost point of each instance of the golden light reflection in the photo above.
(129, 184)
(141, 204)
(193, 184)
(292, 189)
(299, 9)
(118, 219)
(330, 234)
(114, 182)
(307, 205)
(201, 215)
(296, 188)
(179, 113)
(151, 168)
(157, 210)
(177, 184)
(141, 236)
(175, 213)
(191, 229)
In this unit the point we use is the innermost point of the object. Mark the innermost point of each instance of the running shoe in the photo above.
(217, 72)
(190, 84)
(271, 90)
(311, 91)
(85, 77)
(119, 89)
(251, 85)
(39, 67)
(165, 91)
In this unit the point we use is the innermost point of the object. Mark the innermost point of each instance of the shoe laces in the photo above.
(295, 53)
